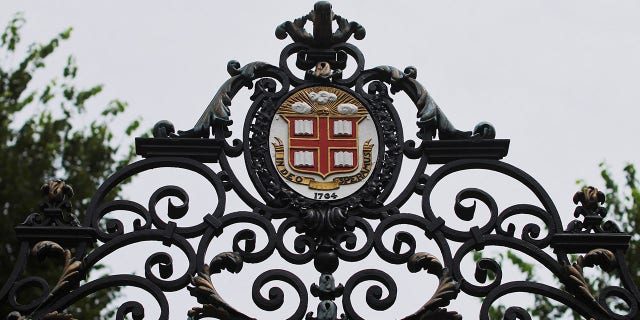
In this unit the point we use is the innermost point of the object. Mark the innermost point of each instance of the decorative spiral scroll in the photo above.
(248, 236)
(403, 237)
(467, 213)
(626, 296)
(357, 55)
(114, 227)
(97, 209)
(234, 149)
(374, 293)
(161, 258)
(304, 245)
(130, 307)
(395, 256)
(375, 84)
(29, 282)
(165, 266)
(350, 239)
(250, 255)
(531, 231)
(173, 211)
(276, 295)
(488, 264)
(376, 89)
(513, 313)
(18, 268)
(134, 308)
(265, 86)
(411, 151)
(497, 166)
(483, 267)
(563, 297)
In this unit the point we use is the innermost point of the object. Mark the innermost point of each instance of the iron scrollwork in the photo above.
(294, 195)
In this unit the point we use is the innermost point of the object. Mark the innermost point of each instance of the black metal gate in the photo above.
(324, 152)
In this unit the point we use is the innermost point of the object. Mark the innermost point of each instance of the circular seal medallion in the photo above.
(323, 143)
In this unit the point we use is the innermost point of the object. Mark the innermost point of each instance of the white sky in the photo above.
(558, 78)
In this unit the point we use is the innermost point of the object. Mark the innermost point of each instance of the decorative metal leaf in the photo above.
(212, 303)
(577, 285)
(218, 108)
(204, 290)
(230, 261)
(425, 261)
(71, 275)
(71, 272)
(603, 258)
(47, 248)
(447, 290)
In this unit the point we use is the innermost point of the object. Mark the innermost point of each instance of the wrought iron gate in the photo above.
(324, 152)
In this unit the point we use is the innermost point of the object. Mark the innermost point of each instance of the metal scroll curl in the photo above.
(248, 253)
(374, 296)
(98, 209)
(276, 295)
(551, 216)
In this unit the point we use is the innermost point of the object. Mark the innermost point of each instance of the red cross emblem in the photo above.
(323, 145)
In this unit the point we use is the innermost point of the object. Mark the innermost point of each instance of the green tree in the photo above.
(623, 207)
(42, 137)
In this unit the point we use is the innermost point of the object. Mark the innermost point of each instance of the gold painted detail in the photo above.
(324, 107)
(367, 163)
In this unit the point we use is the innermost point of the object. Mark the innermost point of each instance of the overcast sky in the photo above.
(558, 78)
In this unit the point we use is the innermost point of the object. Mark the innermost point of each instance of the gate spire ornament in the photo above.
(324, 153)
(323, 37)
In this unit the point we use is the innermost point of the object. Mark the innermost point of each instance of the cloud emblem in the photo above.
(347, 108)
(322, 97)
(301, 107)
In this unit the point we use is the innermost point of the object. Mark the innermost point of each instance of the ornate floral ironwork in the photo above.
(446, 291)
(71, 271)
(212, 303)
(593, 214)
(323, 35)
(328, 231)
(56, 206)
